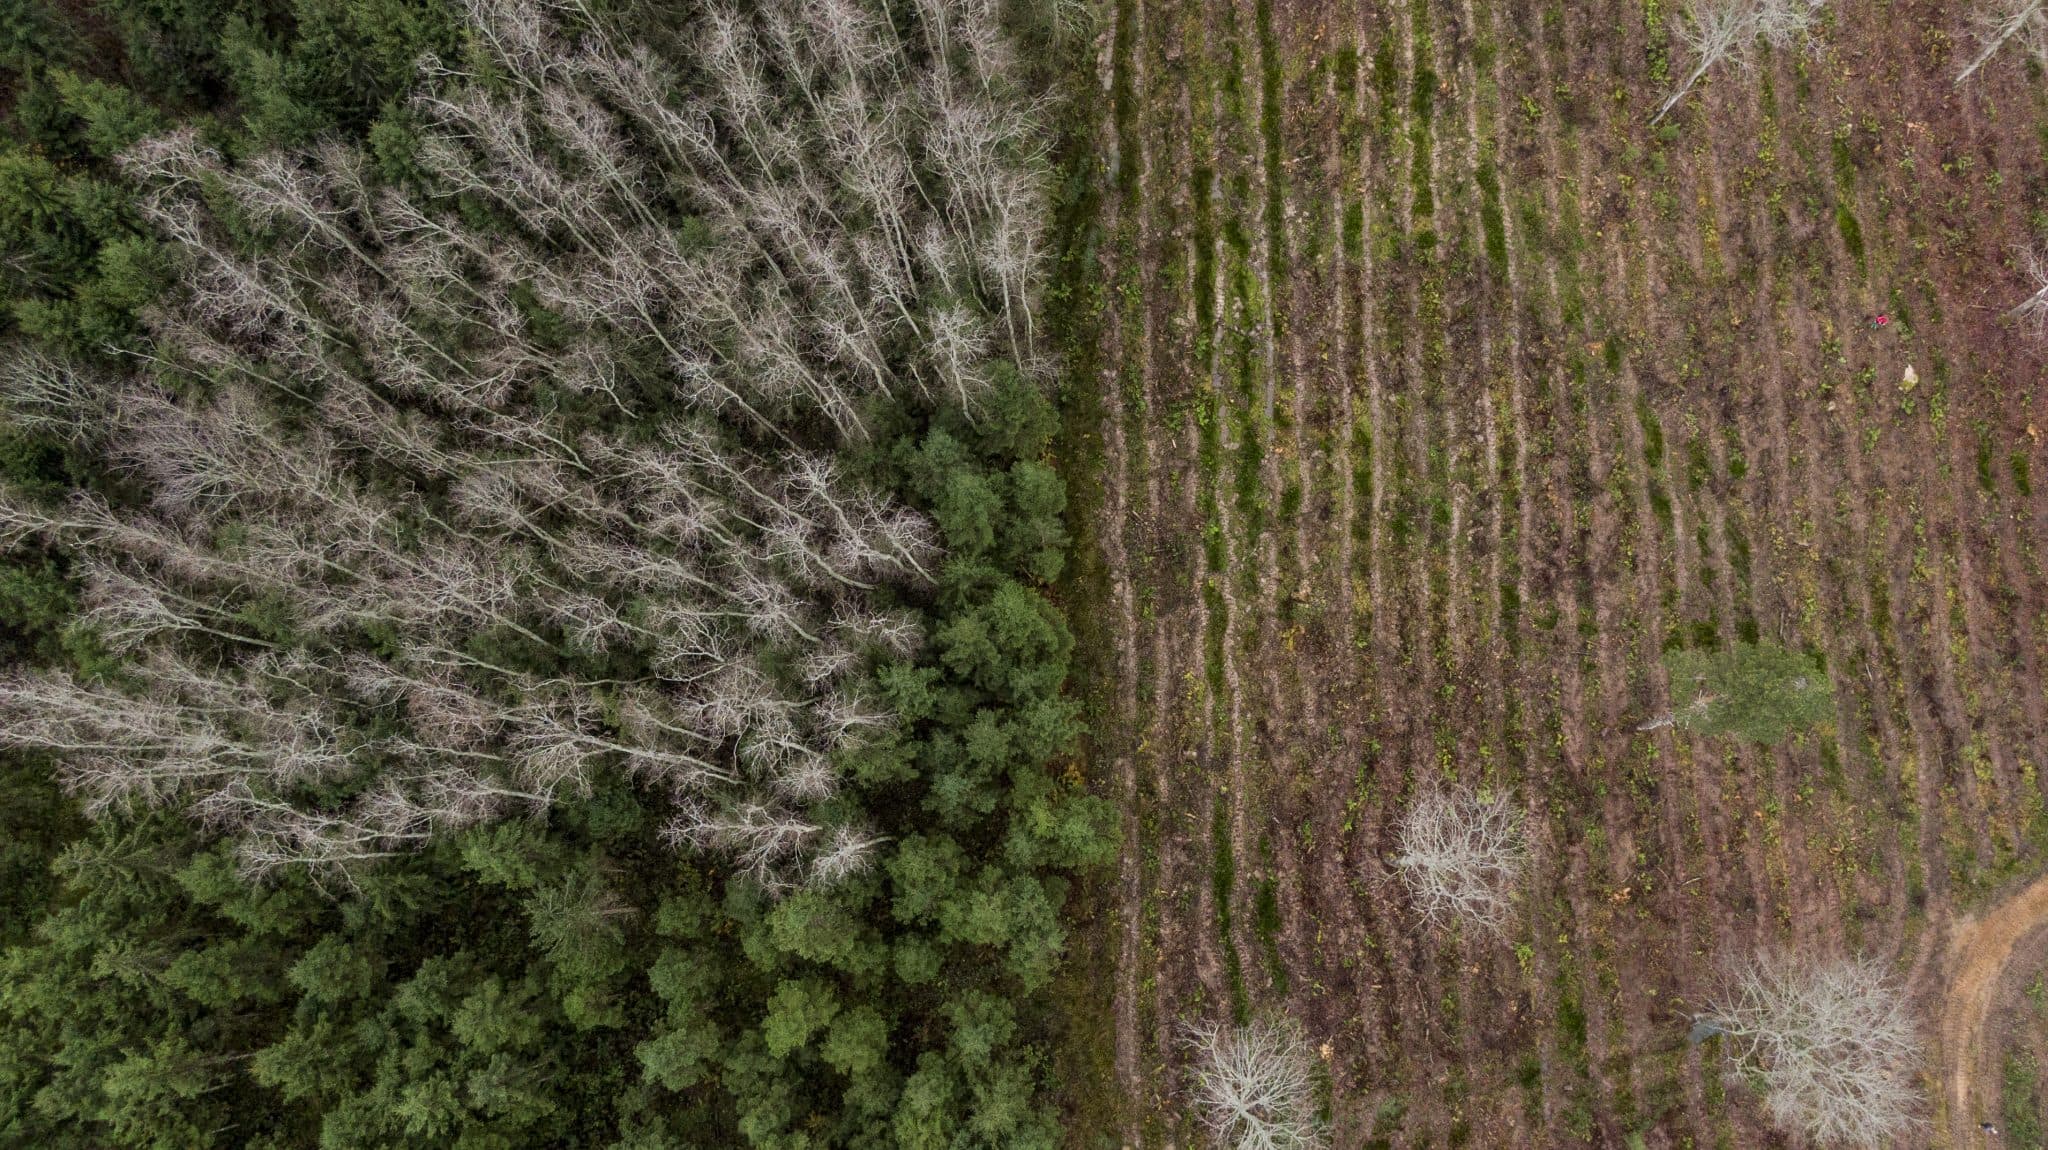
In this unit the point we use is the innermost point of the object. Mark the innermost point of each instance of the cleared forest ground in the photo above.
(1442, 395)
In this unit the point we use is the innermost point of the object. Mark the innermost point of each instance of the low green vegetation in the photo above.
(1756, 691)
(2021, 1123)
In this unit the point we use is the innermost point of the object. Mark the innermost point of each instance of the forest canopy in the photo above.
(527, 547)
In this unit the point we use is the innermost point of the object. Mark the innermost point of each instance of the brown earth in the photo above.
(1443, 394)
(1979, 951)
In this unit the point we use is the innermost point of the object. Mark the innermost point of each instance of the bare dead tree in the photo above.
(193, 730)
(126, 610)
(46, 395)
(845, 852)
(1718, 31)
(351, 430)
(765, 840)
(783, 178)
(1254, 1085)
(2002, 22)
(1692, 712)
(1833, 1045)
(1462, 857)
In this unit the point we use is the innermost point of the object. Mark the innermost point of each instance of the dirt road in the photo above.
(1978, 953)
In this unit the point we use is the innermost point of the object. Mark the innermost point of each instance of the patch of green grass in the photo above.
(1386, 79)
(1653, 433)
(1267, 909)
(1386, 1120)
(1852, 232)
(1698, 467)
(2021, 1116)
(1880, 608)
(1209, 456)
(1124, 98)
(1738, 553)
(1205, 264)
(1421, 108)
(1738, 463)
(1247, 475)
(1492, 220)
(1529, 1073)
(1361, 490)
(1401, 524)
(1578, 1116)
(1844, 160)
(1224, 884)
(1213, 654)
(1571, 1027)
(1657, 49)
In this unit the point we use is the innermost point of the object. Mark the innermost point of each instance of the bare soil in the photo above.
(1980, 949)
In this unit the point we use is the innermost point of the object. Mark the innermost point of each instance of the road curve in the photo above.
(1979, 949)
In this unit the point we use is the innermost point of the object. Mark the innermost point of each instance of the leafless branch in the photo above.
(352, 439)
(1834, 1045)
(2033, 311)
(1714, 31)
(2002, 22)
(1254, 1085)
(1462, 857)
